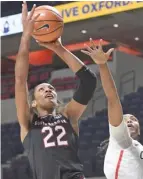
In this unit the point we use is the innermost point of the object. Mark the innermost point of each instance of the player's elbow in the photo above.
(114, 123)
(91, 86)
(88, 83)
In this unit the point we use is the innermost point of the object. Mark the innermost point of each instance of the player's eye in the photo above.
(133, 119)
(41, 89)
(51, 87)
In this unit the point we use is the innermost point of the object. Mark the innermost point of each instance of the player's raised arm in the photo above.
(77, 105)
(114, 106)
(21, 71)
(118, 129)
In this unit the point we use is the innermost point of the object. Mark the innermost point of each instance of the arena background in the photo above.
(119, 24)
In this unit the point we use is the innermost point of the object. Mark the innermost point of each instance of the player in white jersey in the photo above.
(124, 156)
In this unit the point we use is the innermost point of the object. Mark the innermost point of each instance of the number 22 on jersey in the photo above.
(50, 132)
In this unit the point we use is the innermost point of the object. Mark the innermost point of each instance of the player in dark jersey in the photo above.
(49, 138)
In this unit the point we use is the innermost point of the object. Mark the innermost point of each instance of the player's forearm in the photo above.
(115, 112)
(108, 83)
(74, 63)
(22, 60)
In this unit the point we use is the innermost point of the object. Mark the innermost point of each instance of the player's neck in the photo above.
(42, 113)
(136, 138)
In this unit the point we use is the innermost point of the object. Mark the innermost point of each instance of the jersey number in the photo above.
(49, 130)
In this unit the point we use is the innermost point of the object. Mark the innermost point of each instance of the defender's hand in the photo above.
(28, 20)
(97, 54)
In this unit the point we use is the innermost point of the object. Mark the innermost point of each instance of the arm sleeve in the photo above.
(121, 135)
(88, 83)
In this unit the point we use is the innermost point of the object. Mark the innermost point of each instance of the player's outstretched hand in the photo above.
(28, 20)
(96, 53)
(51, 45)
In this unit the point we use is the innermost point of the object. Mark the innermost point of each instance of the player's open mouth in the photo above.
(51, 96)
(130, 126)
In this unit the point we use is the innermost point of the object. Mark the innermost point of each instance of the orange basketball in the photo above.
(49, 25)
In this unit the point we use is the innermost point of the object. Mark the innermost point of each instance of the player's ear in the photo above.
(34, 104)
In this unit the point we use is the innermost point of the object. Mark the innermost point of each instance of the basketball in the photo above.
(49, 25)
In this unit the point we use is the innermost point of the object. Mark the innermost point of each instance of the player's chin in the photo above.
(51, 102)
(133, 132)
(131, 129)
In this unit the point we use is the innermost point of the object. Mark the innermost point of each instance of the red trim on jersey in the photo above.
(118, 164)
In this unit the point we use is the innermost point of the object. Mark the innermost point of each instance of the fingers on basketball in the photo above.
(40, 43)
(32, 12)
(24, 10)
(36, 17)
(49, 26)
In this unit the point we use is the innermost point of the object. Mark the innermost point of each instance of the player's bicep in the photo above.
(22, 104)
(73, 110)
(117, 127)
(120, 135)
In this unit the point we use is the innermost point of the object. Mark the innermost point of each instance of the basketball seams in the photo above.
(48, 32)
(49, 20)
(53, 19)
(49, 10)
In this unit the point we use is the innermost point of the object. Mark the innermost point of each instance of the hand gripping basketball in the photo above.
(28, 20)
(51, 45)
(48, 27)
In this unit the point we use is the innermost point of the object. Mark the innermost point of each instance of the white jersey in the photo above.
(124, 157)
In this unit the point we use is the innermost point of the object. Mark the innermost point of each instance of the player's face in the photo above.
(133, 125)
(45, 96)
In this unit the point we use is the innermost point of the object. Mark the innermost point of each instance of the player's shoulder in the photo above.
(61, 116)
(137, 144)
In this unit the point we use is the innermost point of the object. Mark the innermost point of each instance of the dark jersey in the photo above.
(52, 148)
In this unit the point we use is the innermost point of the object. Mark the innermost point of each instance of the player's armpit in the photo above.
(73, 110)
(23, 133)
(121, 135)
